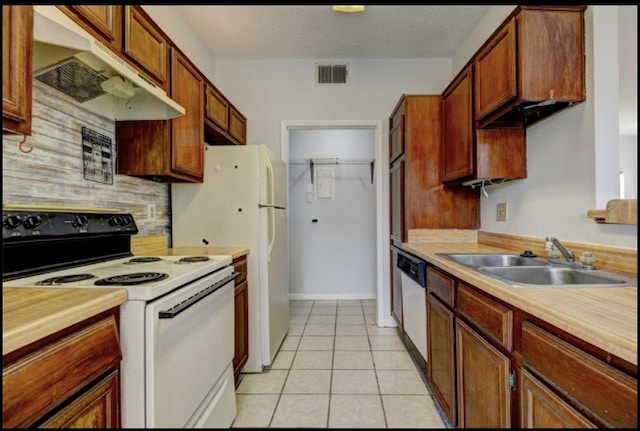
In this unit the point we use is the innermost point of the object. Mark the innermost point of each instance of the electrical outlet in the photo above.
(151, 211)
(501, 211)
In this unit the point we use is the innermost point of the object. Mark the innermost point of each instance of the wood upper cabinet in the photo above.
(531, 67)
(187, 131)
(17, 70)
(70, 379)
(224, 124)
(458, 154)
(168, 150)
(146, 44)
(103, 21)
(241, 301)
(237, 125)
(484, 396)
(471, 155)
(418, 197)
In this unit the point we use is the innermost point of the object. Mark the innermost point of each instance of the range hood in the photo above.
(69, 59)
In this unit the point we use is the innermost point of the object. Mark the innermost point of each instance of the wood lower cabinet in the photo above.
(168, 150)
(484, 397)
(492, 365)
(69, 379)
(597, 389)
(17, 70)
(441, 361)
(241, 302)
(396, 288)
(542, 408)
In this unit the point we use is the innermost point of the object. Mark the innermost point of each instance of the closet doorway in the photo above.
(335, 210)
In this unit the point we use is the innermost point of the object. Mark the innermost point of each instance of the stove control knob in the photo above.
(12, 222)
(115, 221)
(80, 221)
(32, 222)
(125, 220)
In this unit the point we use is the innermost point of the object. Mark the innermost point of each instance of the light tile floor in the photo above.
(337, 369)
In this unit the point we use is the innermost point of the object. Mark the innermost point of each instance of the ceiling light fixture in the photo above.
(348, 8)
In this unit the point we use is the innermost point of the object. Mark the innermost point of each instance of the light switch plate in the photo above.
(501, 211)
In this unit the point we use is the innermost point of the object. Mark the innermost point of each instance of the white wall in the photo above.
(629, 165)
(335, 257)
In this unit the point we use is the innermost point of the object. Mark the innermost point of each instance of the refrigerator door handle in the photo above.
(272, 206)
(270, 211)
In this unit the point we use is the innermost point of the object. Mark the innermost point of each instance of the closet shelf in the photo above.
(333, 161)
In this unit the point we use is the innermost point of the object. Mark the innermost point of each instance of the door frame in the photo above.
(382, 299)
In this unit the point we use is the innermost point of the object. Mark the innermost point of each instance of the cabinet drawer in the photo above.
(602, 389)
(240, 265)
(440, 285)
(495, 320)
(42, 380)
(97, 408)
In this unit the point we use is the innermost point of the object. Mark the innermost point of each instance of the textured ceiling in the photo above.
(319, 32)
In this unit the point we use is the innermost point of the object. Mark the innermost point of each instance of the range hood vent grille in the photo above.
(73, 78)
(331, 73)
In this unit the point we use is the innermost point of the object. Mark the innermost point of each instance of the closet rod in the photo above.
(334, 161)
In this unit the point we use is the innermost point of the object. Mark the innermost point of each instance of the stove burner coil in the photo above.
(143, 260)
(193, 259)
(131, 279)
(53, 281)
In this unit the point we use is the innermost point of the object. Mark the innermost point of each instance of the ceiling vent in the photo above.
(331, 73)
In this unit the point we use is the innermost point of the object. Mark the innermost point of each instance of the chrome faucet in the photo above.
(551, 241)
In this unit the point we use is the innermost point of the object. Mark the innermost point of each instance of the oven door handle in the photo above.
(192, 300)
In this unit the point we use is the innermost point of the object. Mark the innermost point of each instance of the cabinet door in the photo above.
(217, 108)
(458, 128)
(146, 45)
(495, 71)
(17, 71)
(484, 399)
(103, 21)
(396, 288)
(397, 137)
(541, 408)
(441, 356)
(241, 327)
(237, 125)
(96, 408)
(396, 199)
(187, 131)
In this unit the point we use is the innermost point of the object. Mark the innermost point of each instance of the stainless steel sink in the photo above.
(550, 276)
(494, 259)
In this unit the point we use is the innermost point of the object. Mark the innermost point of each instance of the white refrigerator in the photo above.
(243, 203)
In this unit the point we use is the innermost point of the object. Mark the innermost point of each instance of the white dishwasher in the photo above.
(414, 307)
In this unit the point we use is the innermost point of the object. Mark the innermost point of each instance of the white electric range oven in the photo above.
(176, 329)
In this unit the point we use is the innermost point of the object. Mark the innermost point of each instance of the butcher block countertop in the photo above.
(29, 314)
(234, 252)
(605, 317)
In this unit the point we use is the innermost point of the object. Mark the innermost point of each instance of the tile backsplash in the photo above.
(49, 169)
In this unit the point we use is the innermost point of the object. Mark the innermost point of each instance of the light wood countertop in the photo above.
(29, 314)
(605, 317)
(234, 252)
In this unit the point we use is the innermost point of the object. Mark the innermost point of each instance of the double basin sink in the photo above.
(521, 271)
